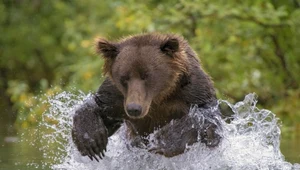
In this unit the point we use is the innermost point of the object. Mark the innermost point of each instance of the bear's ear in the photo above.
(106, 48)
(170, 46)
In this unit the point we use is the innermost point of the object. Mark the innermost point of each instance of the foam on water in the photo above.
(251, 140)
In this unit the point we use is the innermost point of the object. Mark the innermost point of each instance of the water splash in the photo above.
(251, 140)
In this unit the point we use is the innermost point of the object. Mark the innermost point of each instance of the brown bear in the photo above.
(152, 82)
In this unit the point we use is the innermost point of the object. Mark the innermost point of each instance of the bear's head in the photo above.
(145, 68)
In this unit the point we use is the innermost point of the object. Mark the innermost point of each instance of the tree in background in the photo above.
(246, 46)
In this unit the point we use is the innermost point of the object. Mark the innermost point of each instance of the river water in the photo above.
(251, 140)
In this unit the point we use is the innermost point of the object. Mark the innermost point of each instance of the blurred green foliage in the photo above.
(246, 46)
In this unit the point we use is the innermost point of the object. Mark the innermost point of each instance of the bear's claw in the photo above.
(89, 134)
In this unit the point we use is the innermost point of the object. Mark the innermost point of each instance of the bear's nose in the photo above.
(134, 109)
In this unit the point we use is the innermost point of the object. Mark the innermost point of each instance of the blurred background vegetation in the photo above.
(245, 45)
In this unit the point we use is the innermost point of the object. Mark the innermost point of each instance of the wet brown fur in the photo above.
(167, 105)
(161, 74)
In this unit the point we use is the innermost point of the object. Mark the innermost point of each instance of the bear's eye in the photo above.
(124, 80)
(144, 76)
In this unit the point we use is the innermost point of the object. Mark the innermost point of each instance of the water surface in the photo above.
(251, 141)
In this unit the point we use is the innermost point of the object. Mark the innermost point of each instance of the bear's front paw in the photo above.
(89, 135)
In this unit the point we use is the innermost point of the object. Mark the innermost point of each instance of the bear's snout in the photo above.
(134, 110)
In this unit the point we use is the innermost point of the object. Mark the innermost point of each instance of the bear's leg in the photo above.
(173, 138)
(89, 132)
(96, 119)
